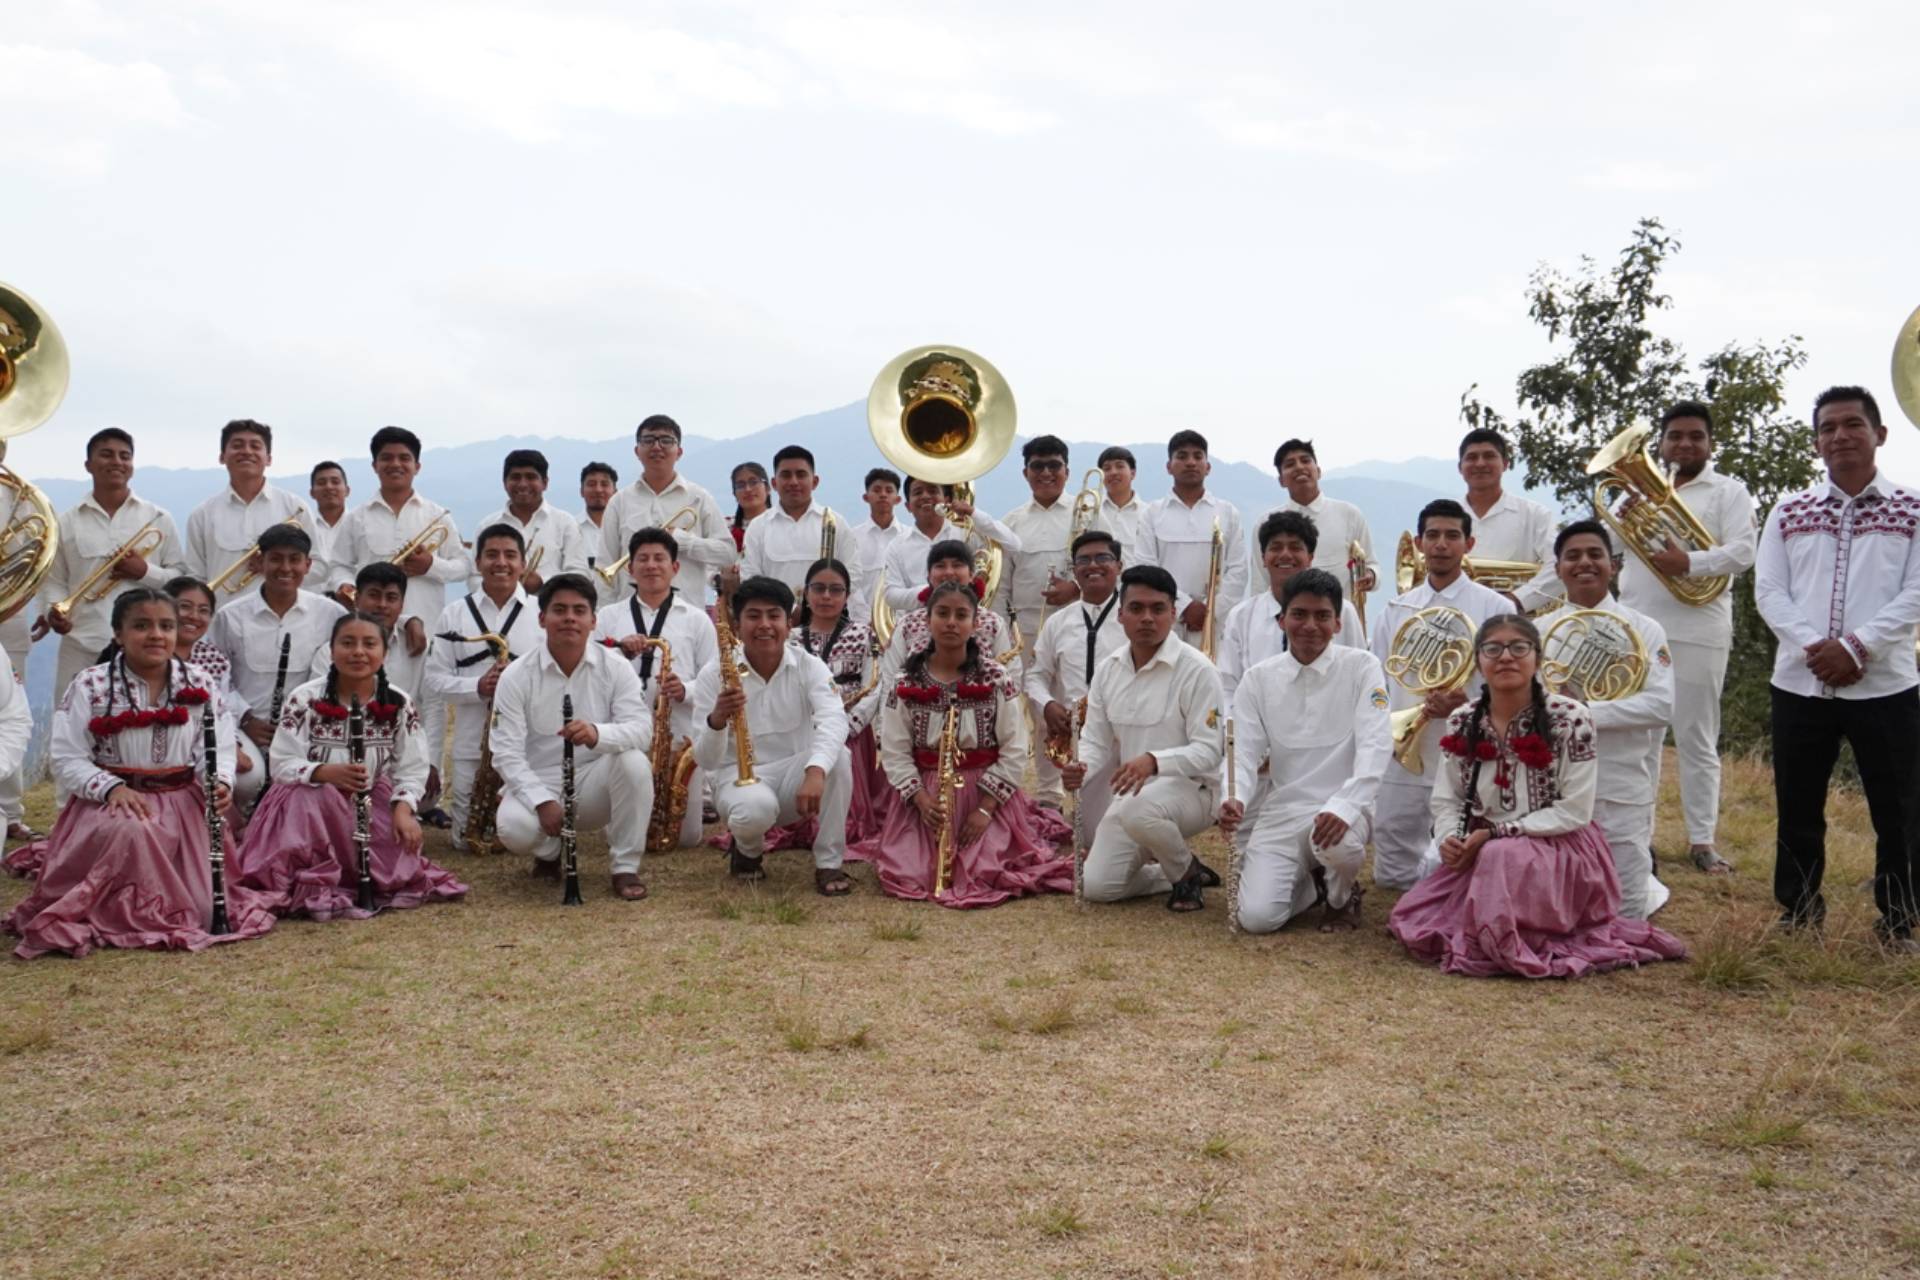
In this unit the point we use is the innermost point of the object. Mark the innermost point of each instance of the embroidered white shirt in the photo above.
(1478, 603)
(81, 762)
(304, 740)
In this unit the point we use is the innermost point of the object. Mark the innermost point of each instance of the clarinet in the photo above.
(273, 716)
(362, 803)
(569, 847)
(216, 825)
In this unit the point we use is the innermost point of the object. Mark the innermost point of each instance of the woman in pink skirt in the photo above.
(195, 601)
(1003, 845)
(1526, 884)
(300, 853)
(127, 863)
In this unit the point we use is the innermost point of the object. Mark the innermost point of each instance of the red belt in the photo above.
(978, 758)
(156, 780)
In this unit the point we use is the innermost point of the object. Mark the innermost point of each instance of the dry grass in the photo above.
(730, 1081)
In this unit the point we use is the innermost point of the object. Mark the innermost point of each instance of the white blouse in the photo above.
(83, 761)
(991, 719)
(305, 739)
(850, 662)
(1515, 799)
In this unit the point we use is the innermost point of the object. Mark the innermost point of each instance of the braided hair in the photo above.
(971, 665)
(1477, 725)
(382, 692)
(115, 657)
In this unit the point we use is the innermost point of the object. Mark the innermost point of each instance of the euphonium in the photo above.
(246, 579)
(1086, 506)
(1593, 655)
(610, 574)
(1216, 557)
(98, 585)
(483, 800)
(1639, 505)
(949, 790)
(1410, 568)
(672, 766)
(730, 679)
(33, 380)
(1432, 652)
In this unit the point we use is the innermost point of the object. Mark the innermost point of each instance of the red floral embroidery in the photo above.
(1532, 751)
(382, 711)
(190, 695)
(928, 695)
(139, 718)
(1455, 744)
(979, 585)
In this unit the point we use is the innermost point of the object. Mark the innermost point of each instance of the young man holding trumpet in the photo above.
(1177, 531)
(551, 536)
(400, 525)
(222, 531)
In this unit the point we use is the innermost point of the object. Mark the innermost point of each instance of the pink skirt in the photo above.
(299, 856)
(1538, 907)
(24, 862)
(112, 881)
(1015, 856)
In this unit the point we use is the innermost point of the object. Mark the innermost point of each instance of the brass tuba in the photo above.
(944, 415)
(1410, 568)
(1593, 655)
(33, 380)
(672, 766)
(1432, 652)
(1639, 505)
(1906, 368)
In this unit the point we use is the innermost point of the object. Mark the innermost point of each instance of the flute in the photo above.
(216, 825)
(362, 803)
(569, 846)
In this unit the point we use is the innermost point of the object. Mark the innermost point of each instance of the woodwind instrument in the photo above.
(569, 841)
(1216, 560)
(98, 585)
(483, 802)
(246, 579)
(273, 719)
(362, 803)
(1233, 845)
(672, 766)
(948, 784)
(216, 824)
(730, 680)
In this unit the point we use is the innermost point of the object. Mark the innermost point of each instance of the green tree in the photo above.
(1611, 371)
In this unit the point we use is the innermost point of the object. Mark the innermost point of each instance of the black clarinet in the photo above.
(569, 846)
(216, 825)
(273, 718)
(362, 803)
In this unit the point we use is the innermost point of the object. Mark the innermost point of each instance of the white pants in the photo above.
(1140, 844)
(1092, 800)
(459, 794)
(14, 634)
(1047, 787)
(748, 811)
(1629, 832)
(1699, 677)
(611, 793)
(1402, 830)
(1276, 870)
(248, 783)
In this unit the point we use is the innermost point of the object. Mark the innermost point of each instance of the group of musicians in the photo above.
(276, 685)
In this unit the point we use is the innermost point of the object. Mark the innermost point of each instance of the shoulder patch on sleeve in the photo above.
(1378, 697)
(1664, 658)
(1213, 717)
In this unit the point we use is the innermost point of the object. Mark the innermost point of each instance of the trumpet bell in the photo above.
(33, 364)
(942, 414)
(1906, 368)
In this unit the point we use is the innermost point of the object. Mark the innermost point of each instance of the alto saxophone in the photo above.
(672, 766)
(483, 804)
(730, 680)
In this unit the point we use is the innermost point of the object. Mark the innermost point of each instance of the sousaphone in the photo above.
(33, 381)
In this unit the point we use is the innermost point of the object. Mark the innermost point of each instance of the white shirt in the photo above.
(304, 740)
(1171, 708)
(225, 526)
(1122, 522)
(82, 762)
(1179, 539)
(705, 549)
(1252, 635)
(320, 577)
(797, 713)
(375, 532)
(249, 632)
(1724, 506)
(1549, 802)
(906, 562)
(454, 667)
(1043, 534)
(552, 530)
(1469, 597)
(590, 539)
(1630, 731)
(88, 535)
(526, 718)
(875, 542)
(16, 718)
(1834, 567)
(779, 546)
(1058, 670)
(1517, 528)
(1323, 727)
(1339, 525)
(690, 638)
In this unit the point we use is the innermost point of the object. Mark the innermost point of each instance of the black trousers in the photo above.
(1885, 736)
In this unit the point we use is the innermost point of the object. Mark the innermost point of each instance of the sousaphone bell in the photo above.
(33, 381)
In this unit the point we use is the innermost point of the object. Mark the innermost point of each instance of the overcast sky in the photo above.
(1254, 219)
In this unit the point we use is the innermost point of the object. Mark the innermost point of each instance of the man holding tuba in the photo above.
(401, 522)
(1701, 636)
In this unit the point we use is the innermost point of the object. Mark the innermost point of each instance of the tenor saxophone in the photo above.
(672, 765)
(730, 680)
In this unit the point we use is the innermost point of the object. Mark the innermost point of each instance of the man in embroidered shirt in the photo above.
(224, 527)
(655, 610)
(656, 496)
(798, 727)
(1340, 524)
(1068, 649)
(610, 729)
(327, 487)
(906, 562)
(881, 529)
(1506, 526)
(1316, 715)
(784, 540)
(464, 674)
(551, 535)
(1256, 629)
(1177, 532)
(1838, 580)
(392, 520)
(1403, 821)
(1154, 717)
(598, 482)
(249, 631)
(1120, 509)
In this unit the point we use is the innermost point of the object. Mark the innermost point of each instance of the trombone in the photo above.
(98, 585)
(610, 574)
(246, 579)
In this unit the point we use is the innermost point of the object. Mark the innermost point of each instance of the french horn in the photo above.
(1593, 655)
(1432, 652)
(34, 372)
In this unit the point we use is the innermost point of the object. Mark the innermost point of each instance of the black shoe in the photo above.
(741, 867)
(1206, 875)
(1185, 895)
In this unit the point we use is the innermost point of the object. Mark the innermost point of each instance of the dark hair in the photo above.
(1446, 509)
(880, 475)
(1044, 447)
(107, 433)
(501, 530)
(382, 691)
(915, 666)
(1686, 409)
(945, 490)
(1095, 535)
(805, 614)
(1486, 435)
(1312, 582)
(1293, 446)
(948, 549)
(1150, 576)
(762, 588)
(318, 467)
(286, 537)
(246, 426)
(599, 469)
(1118, 453)
(1542, 721)
(795, 451)
(733, 477)
(658, 422)
(394, 435)
(1187, 440)
(1578, 527)
(578, 583)
(381, 573)
(1297, 523)
(1832, 395)
(656, 537)
(127, 601)
(123, 604)
(177, 587)
(528, 458)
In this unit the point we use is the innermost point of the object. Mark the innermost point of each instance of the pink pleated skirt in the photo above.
(300, 858)
(1014, 857)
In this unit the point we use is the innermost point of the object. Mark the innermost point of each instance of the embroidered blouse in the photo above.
(307, 738)
(83, 760)
(991, 731)
(850, 662)
(1516, 799)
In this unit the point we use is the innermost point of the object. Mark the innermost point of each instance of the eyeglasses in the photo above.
(828, 589)
(658, 442)
(1491, 649)
(1046, 464)
(194, 610)
(1099, 558)
(741, 486)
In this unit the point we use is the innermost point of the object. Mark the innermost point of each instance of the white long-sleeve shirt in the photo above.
(527, 749)
(1339, 525)
(906, 562)
(795, 714)
(1058, 670)
(1179, 539)
(1043, 534)
(454, 667)
(16, 719)
(376, 531)
(249, 632)
(551, 530)
(1123, 523)
(306, 739)
(690, 637)
(1629, 731)
(875, 542)
(705, 549)
(1517, 528)
(779, 546)
(1478, 603)
(88, 535)
(1324, 729)
(1535, 802)
(1252, 635)
(1724, 506)
(1171, 708)
(223, 528)
(1832, 567)
(82, 763)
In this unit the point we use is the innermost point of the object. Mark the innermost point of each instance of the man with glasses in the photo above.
(655, 497)
(1068, 649)
(1038, 578)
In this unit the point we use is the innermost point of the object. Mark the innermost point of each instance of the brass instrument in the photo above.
(1639, 504)
(1356, 569)
(1410, 568)
(429, 539)
(246, 579)
(33, 380)
(875, 649)
(944, 415)
(1086, 506)
(1593, 655)
(1906, 368)
(730, 679)
(949, 789)
(1216, 557)
(533, 561)
(610, 574)
(483, 802)
(829, 532)
(883, 619)
(99, 584)
(362, 804)
(672, 766)
(1019, 641)
(1432, 652)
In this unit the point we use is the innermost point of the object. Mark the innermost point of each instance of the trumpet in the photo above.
(610, 574)
(98, 585)
(429, 539)
(1216, 557)
(246, 557)
(1432, 652)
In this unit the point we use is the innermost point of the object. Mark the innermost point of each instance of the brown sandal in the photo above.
(628, 887)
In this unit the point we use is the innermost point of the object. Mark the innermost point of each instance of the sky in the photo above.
(1257, 220)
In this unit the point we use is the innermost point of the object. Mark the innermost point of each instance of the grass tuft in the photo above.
(1756, 1128)
(802, 1033)
(1054, 1221)
(898, 929)
(788, 911)
(28, 1037)
(1220, 1146)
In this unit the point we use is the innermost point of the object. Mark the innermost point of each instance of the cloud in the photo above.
(74, 107)
(1642, 177)
(1261, 115)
